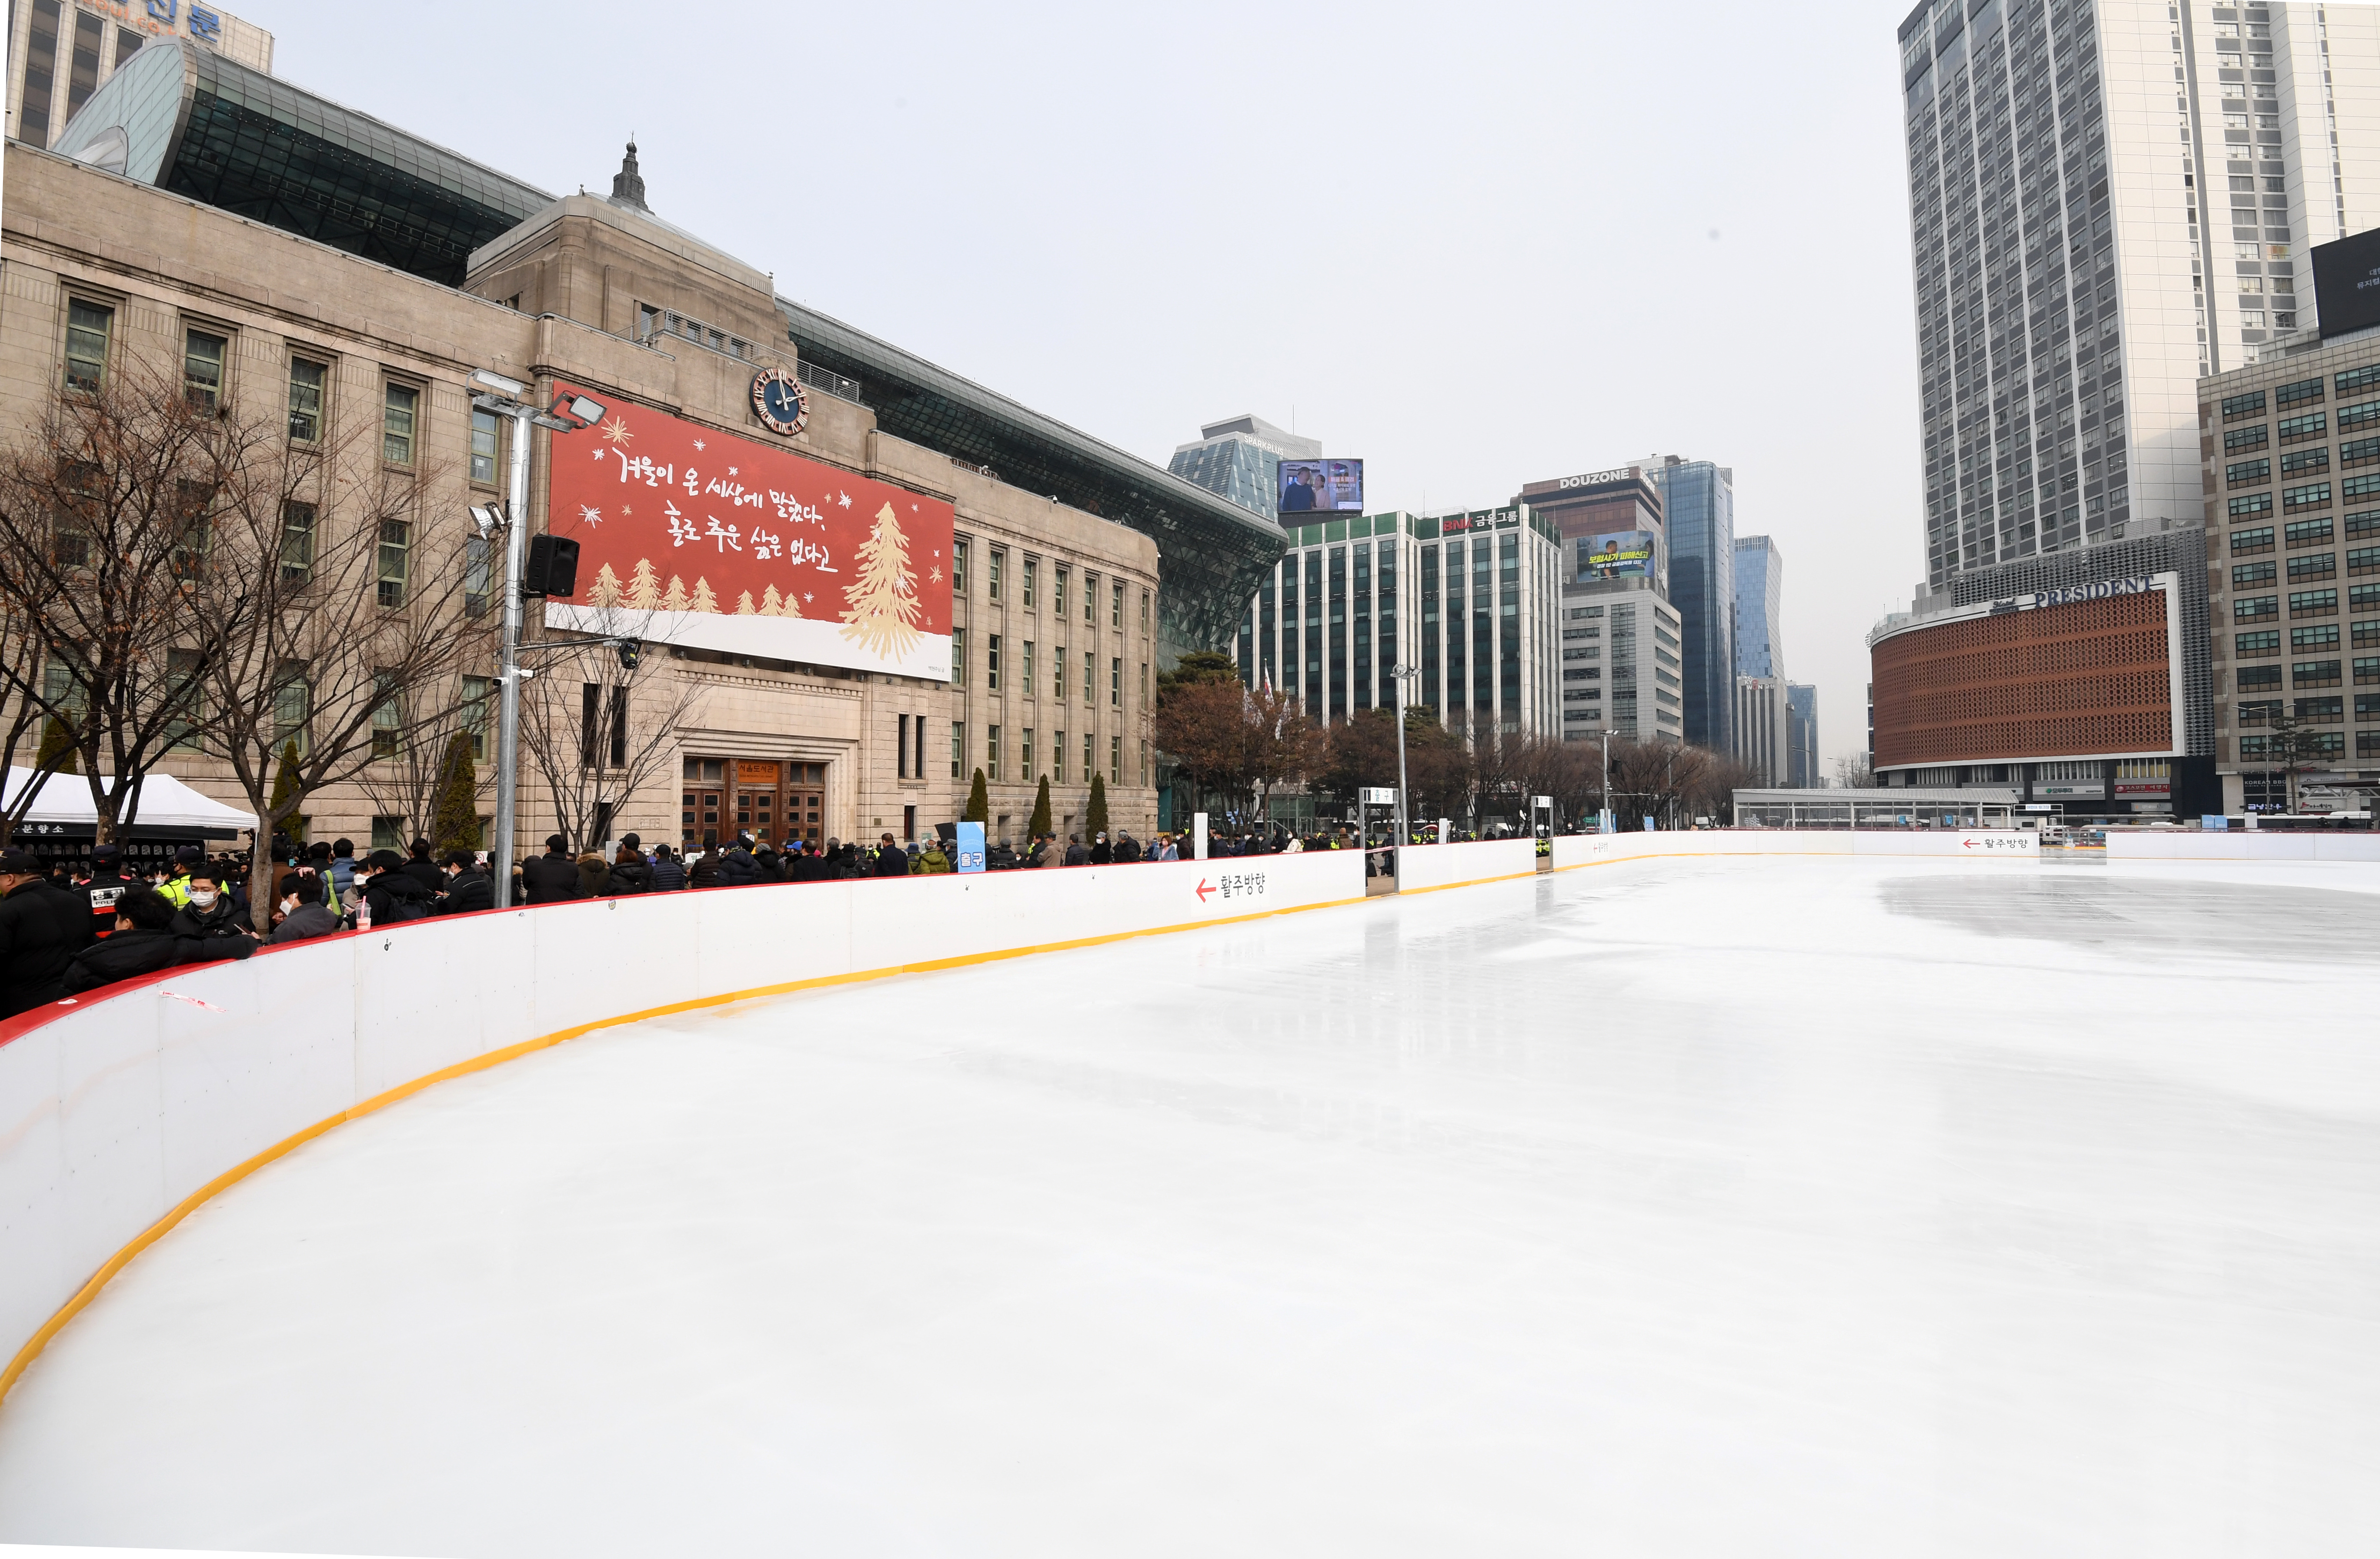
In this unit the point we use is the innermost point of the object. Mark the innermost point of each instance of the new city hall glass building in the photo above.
(2108, 199)
(311, 266)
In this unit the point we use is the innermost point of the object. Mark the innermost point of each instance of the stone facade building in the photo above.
(606, 296)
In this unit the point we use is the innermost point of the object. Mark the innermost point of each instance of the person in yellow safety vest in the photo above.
(176, 887)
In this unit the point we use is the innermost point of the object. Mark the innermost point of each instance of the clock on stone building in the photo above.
(779, 400)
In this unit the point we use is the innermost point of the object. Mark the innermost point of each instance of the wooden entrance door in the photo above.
(701, 817)
(806, 802)
(757, 798)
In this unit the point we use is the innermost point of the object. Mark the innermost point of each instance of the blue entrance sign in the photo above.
(970, 846)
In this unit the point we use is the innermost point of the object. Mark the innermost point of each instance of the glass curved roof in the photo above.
(1213, 554)
(188, 120)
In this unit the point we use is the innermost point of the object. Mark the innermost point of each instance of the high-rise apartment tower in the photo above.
(2108, 198)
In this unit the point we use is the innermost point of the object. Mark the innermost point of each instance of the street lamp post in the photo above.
(1604, 821)
(1403, 674)
(500, 395)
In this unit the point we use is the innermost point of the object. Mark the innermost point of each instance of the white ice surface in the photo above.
(1721, 1209)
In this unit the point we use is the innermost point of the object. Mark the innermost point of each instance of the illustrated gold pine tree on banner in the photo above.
(605, 591)
(644, 588)
(883, 610)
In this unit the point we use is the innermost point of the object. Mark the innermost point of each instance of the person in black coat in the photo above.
(737, 868)
(212, 911)
(1102, 853)
(42, 929)
(668, 872)
(423, 870)
(891, 859)
(391, 895)
(303, 913)
(551, 878)
(144, 942)
(468, 887)
(629, 872)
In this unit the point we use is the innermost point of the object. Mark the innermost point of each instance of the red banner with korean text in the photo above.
(690, 536)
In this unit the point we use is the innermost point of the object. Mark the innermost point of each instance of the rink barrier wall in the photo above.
(1427, 868)
(2254, 845)
(121, 1116)
(1573, 851)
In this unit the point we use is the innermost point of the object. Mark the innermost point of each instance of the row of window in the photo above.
(206, 359)
(2252, 402)
(2314, 636)
(2321, 744)
(996, 581)
(2309, 674)
(2316, 566)
(2333, 707)
(2305, 533)
(1027, 771)
(1059, 663)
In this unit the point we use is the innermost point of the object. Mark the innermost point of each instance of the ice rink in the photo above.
(1711, 1208)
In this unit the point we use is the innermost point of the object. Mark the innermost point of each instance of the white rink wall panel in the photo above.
(2252, 845)
(117, 1110)
(1444, 866)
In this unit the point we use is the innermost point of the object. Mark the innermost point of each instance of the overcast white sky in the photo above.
(1477, 246)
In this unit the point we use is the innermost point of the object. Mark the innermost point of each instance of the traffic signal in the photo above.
(553, 567)
(630, 653)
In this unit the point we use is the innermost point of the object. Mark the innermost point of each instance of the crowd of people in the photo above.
(68, 929)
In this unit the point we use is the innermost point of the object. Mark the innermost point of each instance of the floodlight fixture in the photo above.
(490, 380)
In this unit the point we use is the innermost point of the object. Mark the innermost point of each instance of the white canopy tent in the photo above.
(168, 806)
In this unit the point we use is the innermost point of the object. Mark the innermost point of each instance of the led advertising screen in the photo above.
(694, 536)
(1617, 555)
(2346, 282)
(1308, 486)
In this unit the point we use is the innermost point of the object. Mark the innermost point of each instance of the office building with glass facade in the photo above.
(1801, 764)
(1467, 599)
(1759, 607)
(1698, 506)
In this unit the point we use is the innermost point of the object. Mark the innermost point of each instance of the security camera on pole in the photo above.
(502, 395)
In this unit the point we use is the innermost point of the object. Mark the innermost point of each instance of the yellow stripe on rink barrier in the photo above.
(232, 1176)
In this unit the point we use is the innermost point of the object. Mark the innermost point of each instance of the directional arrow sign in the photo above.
(1969, 844)
(1203, 890)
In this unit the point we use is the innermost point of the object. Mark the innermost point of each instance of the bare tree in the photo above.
(21, 657)
(597, 729)
(106, 505)
(337, 604)
(408, 774)
(1853, 771)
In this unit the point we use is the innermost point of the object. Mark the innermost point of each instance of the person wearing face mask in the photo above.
(209, 911)
(302, 912)
(468, 887)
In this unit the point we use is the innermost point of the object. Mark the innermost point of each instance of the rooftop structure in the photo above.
(1240, 458)
(193, 121)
